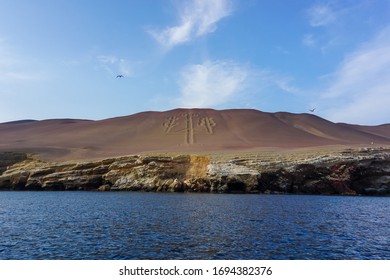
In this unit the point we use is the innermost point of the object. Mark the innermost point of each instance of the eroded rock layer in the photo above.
(363, 171)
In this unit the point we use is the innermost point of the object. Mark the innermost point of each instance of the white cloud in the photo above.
(14, 69)
(331, 18)
(17, 76)
(211, 83)
(308, 40)
(285, 84)
(338, 24)
(227, 83)
(197, 18)
(114, 65)
(372, 108)
(20, 76)
(125, 68)
(360, 88)
(107, 59)
(321, 15)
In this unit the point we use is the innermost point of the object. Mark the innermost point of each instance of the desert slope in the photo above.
(182, 130)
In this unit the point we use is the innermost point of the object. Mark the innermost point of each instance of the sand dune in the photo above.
(182, 130)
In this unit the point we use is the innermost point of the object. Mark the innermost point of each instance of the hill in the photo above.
(182, 130)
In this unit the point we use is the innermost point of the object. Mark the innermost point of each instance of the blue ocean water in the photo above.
(128, 225)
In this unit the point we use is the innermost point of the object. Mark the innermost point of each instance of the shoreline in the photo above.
(327, 170)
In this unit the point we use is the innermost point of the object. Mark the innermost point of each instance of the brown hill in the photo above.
(182, 130)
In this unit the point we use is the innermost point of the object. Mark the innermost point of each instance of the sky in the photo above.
(61, 58)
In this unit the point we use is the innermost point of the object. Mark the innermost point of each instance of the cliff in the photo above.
(358, 171)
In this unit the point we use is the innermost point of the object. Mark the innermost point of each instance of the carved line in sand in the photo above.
(171, 122)
(189, 128)
(204, 123)
(207, 123)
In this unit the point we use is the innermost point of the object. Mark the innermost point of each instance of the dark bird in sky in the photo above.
(119, 76)
(312, 110)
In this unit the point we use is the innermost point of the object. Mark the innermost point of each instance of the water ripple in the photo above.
(84, 225)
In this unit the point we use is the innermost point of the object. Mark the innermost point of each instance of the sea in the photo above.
(187, 226)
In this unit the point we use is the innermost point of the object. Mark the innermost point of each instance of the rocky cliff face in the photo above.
(349, 172)
(9, 158)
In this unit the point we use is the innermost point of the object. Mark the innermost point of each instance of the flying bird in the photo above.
(119, 76)
(312, 110)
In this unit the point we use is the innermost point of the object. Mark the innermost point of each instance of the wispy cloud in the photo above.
(107, 59)
(14, 69)
(309, 40)
(321, 15)
(285, 84)
(211, 84)
(360, 87)
(18, 76)
(228, 83)
(326, 16)
(338, 24)
(196, 18)
(114, 65)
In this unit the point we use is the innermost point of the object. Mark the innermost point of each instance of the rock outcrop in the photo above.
(364, 171)
(9, 158)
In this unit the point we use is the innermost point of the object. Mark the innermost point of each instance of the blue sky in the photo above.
(60, 58)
